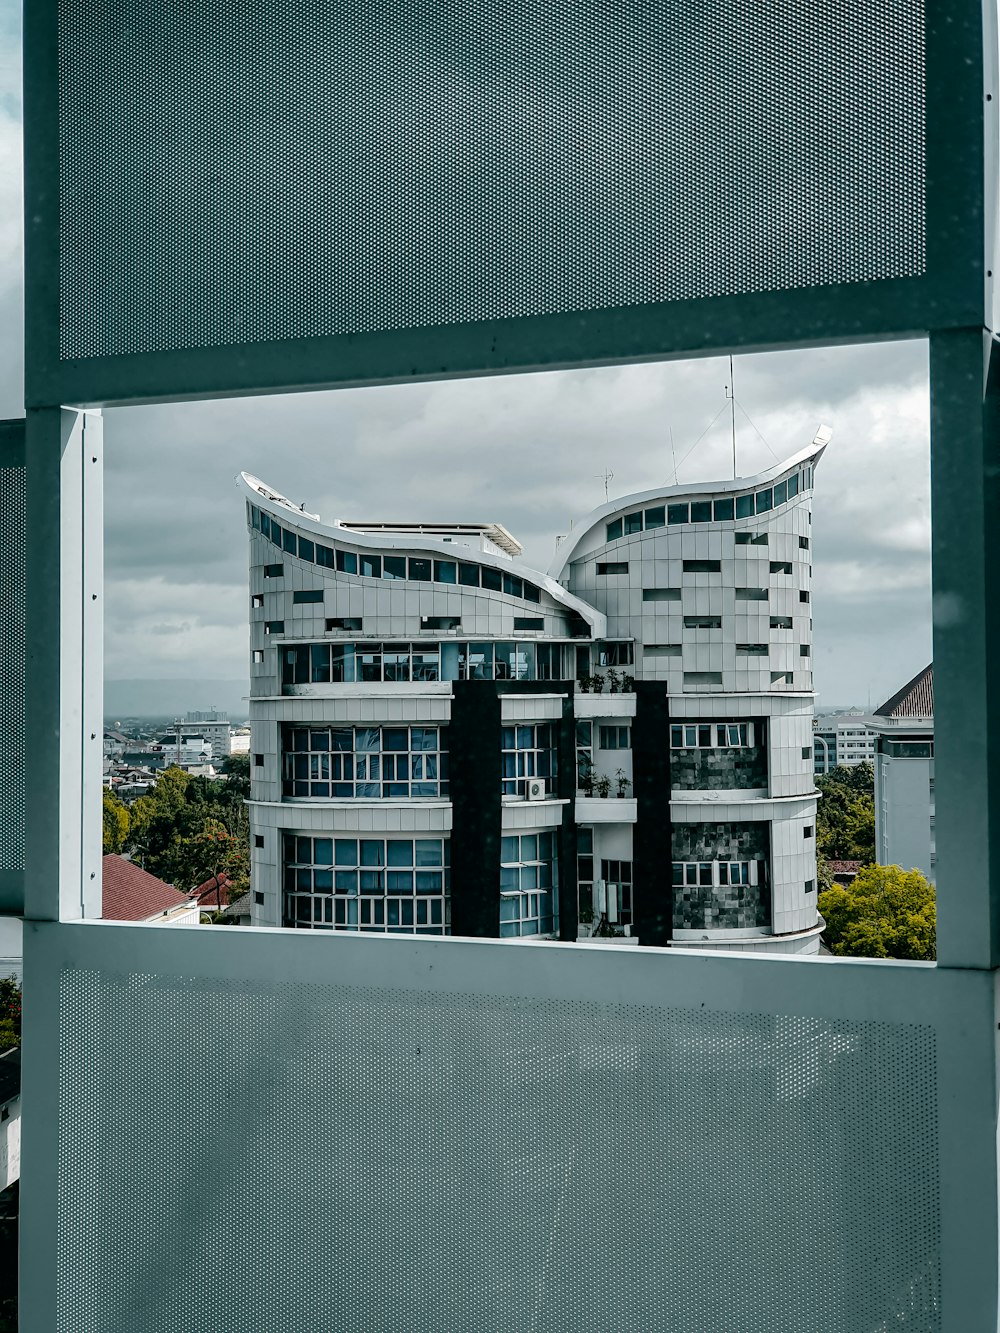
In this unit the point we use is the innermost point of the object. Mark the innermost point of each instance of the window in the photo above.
(258, 898)
(793, 485)
(807, 830)
(585, 872)
(633, 522)
(714, 874)
(781, 678)
(290, 543)
(369, 565)
(810, 886)
(258, 840)
(528, 880)
(325, 556)
(364, 763)
(337, 663)
(656, 517)
(764, 500)
(529, 622)
(807, 752)
(703, 622)
(274, 571)
(804, 650)
(306, 549)
(702, 566)
(617, 905)
(265, 523)
(394, 567)
(258, 761)
(512, 585)
(677, 513)
(708, 735)
(781, 566)
(780, 493)
(528, 751)
(491, 579)
(347, 562)
(388, 885)
(257, 601)
(343, 622)
(804, 543)
(531, 593)
(695, 679)
(274, 627)
(420, 569)
(614, 530)
(254, 517)
(781, 622)
(701, 511)
(751, 538)
(307, 595)
(661, 650)
(445, 571)
(495, 661)
(744, 506)
(468, 576)
(803, 596)
(585, 758)
(615, 654)
(613, 567)
(548, 661)
(615, 738)
(724, 510)
(440, 622)
(751, 650)
(661, 594)
(751, 594)
(258, 655)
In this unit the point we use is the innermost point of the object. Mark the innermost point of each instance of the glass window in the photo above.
(615, 738)
(420, 569)
(803, 543)
(780, 493)
(528, 752)
(744, 506)
(302, 595)
(274, 571)
(529, 622)
(701, 511)
(793, 485)
(306, 549)
(290, 543)
(781, 566)
(369, 565)
(445, 571)
(274, 627)
(677, 513)
(531, 593)
(633, 522)
(275, 532)
(702, 566)
(491, 578)
(468, 576)
(614, 530)
(347, 561)
(265, 523)
(612, 567)
(512, 585)
(324, 556)
(764, 499)
(394, 567)
(254, 516)
(656, 517)
(724, 509)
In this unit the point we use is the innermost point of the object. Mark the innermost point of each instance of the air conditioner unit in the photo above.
(536, 789)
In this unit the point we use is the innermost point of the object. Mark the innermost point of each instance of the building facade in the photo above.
(904, 778)
(842, 739)
(447, 741)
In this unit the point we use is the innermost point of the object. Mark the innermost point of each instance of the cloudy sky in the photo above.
(527, 451)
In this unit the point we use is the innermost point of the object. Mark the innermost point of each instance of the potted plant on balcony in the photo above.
(597, 680)
(585, 775)
(628, 683)
(623, 784)
(603, 786)
(584, 683)
(614, 680)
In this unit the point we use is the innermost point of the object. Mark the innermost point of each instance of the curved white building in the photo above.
(446, 740)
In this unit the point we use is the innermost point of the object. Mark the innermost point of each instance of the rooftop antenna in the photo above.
(673, 454)
(606, 477)
(731, 395)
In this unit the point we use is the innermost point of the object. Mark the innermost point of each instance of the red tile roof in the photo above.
(129, 893)
(214, 893)
(915, 699)
(844, 867)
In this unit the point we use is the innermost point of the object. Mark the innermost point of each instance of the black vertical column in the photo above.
(474, 780)
(652, 875)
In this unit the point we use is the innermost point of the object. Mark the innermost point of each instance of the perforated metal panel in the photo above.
(12, 607)
(299, 1157)
(276, 169)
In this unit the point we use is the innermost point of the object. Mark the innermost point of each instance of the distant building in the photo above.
(904, 777)
(10, 1117)
(130, 893)
(842, 739)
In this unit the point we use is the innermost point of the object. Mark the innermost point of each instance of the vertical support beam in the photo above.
(13, 550)
(63, 703)
(965, 502)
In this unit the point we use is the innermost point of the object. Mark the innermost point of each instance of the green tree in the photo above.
(887, 912)
(212, 850)
(10, 1013)
(845, 818)
(116, 823)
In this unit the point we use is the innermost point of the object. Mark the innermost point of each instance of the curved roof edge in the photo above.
(265, 496)
(812, 452)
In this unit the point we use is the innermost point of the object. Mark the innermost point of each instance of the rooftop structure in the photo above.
(132, 894)
(905, 809)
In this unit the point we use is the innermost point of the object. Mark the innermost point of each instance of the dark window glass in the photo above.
(370, 565)
(793, 485)
(780, 493)
(781, 566)
(764, 499)
(275, 532)
(701, 511)
(677, 513)
(702, 566)
(531, 593)
(803, 543)
(512, 585)
(803, 597)
(420, 569)
(445, 571)
(265, 523)
(394, 567)
(724, 509)
(468, 576)
(274, 627)
(614, 530)
(633, 522)
(274, 571)
(744, 506)
(656, 517)
(306, 549)
(529, 622)
(324, 556)
(612, 567)
(308, 595)
(290, 543)
(255, 516)
(347, 562)
(491, 578)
